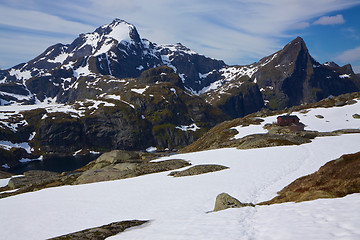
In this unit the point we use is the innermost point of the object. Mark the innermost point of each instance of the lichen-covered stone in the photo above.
(224, 201)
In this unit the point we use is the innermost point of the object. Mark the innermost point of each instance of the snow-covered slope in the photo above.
(179, 207)
(315, 119)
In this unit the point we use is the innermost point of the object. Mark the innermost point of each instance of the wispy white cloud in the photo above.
(349, 55)
(330, 20)
(36, 20)
(300, 25)
(350, 32)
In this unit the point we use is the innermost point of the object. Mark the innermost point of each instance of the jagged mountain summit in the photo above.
(286, 78)
(113, 50)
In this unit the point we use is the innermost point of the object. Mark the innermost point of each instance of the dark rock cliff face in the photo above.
(116, 129)
(243, 100)
(293, 77)
(59, 133)
(326, 81)
(191, 66)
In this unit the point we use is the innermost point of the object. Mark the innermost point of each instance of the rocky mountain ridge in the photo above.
(286, 78)
(111, 50)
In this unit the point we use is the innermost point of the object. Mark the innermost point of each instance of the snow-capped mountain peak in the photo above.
(107, 36)
(120, 31)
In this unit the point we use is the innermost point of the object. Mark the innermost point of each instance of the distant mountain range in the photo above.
(124, 92)
(285, 78)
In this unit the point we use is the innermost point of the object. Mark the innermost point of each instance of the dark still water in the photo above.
(55, 164)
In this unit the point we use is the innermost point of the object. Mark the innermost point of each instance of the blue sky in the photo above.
(236, 31)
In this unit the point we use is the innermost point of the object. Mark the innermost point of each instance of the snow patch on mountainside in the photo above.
(192, 127)
(60, 58)
(230, 76)
(140, 90)
(17, 96)
(345, 76)
(8, 145)
(120, 31)
(118, 98)
(82, 71)
(19, 74)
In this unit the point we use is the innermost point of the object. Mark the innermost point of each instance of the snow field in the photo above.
(334, 119)
(177, 207)
(319, 219)
(4, 182)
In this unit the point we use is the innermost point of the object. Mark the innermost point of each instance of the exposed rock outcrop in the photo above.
(293, 77)
(33, 177)
(100, 233)
(224, 201)
(128, 170)
(198, 169)
(356, 116)
(269, 140)
(240, 101)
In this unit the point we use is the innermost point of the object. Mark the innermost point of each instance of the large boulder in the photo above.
(224, 201)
